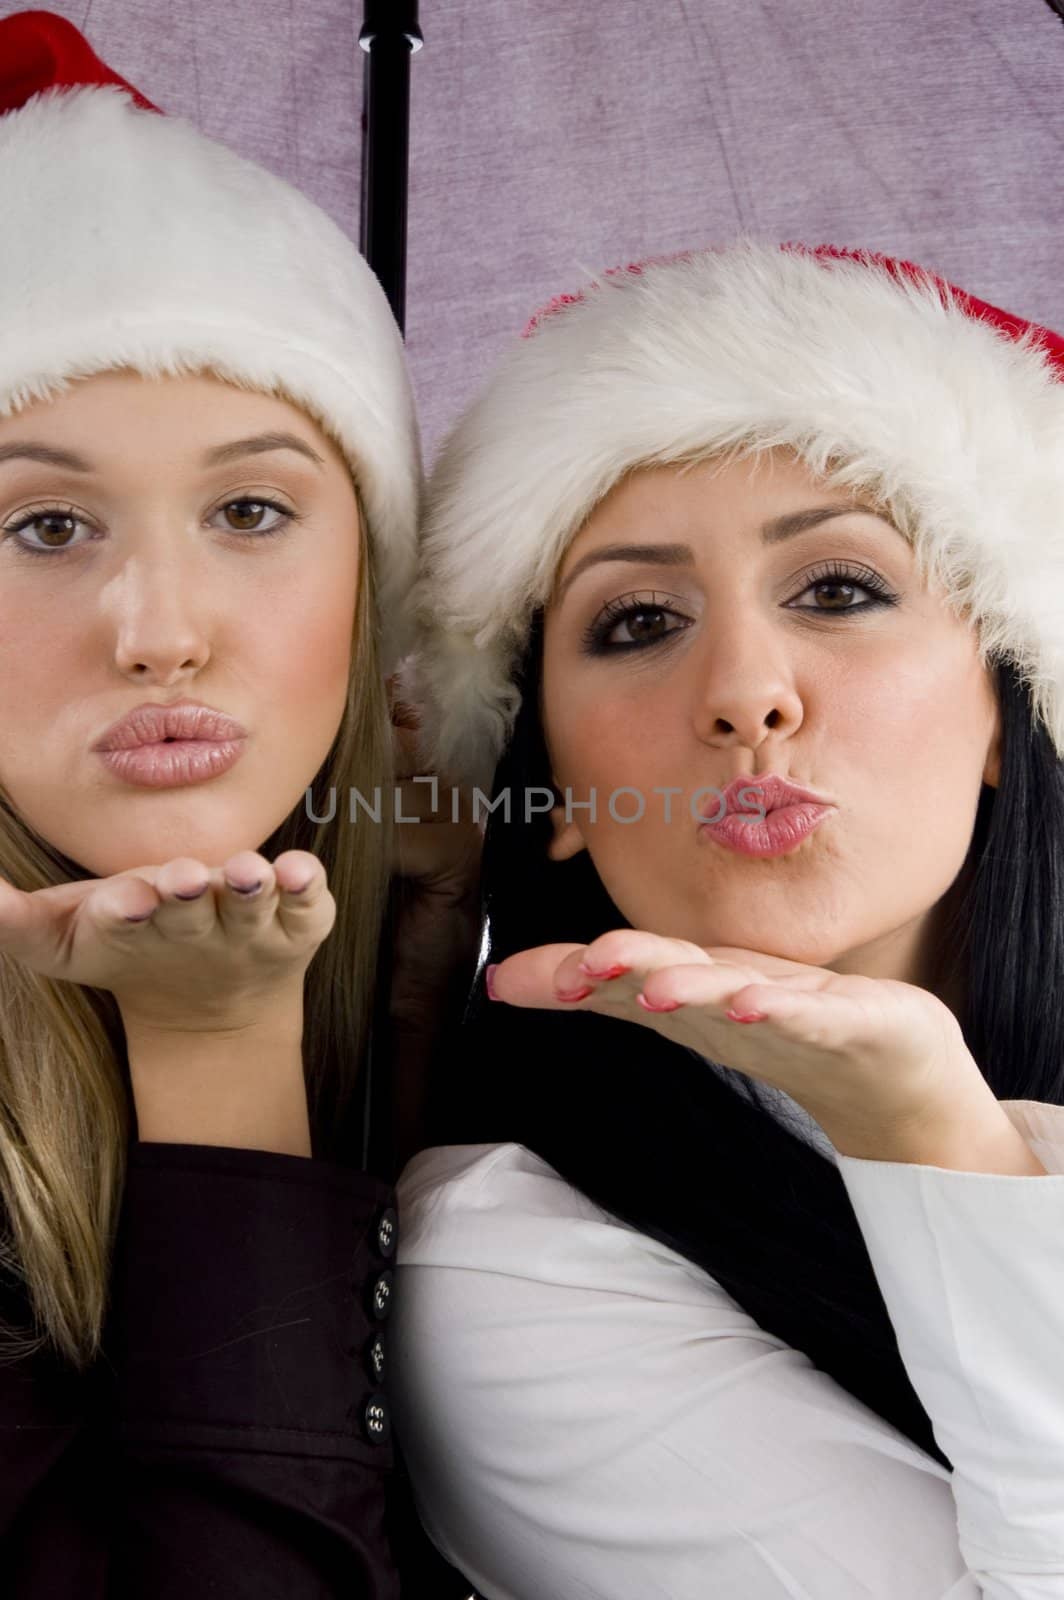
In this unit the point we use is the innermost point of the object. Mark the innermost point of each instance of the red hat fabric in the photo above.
(39, 50)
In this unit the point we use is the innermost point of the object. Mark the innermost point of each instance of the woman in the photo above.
(208, 484)
(757, 1256)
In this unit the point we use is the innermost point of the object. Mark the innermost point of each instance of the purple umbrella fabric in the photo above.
(550, 140)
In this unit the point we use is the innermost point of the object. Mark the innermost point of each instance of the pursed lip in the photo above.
(768, 791)
(153, 723)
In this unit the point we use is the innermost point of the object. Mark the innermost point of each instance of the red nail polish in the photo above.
(603, 973)
(747, 1016)
(489, 980)
(666, 1005)
(574, 994)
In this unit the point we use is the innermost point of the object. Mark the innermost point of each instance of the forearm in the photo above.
(242, 1088)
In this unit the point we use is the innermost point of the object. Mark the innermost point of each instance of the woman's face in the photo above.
(746, 655)
(169, 541)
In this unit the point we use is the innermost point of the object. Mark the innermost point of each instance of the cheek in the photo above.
(43, 656)
(603, 736)
(303, 637)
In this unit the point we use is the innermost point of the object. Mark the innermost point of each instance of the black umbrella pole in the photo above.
(390, 35)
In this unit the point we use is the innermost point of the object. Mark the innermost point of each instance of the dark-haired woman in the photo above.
(737, 1271)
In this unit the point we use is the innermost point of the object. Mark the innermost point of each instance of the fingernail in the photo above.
(244, 888)
(602, 973)
(747, 1016)
(300, 888)
(489, 980)
(665, 1005)
(195, 895)
(140, 917)
(574, 994)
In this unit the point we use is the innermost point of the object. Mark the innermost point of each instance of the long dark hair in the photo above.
(695, 1159)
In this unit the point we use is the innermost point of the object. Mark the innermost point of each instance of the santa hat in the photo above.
(131, 240)
(881, 376)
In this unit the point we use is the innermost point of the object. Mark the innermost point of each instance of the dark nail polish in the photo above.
(245, 888)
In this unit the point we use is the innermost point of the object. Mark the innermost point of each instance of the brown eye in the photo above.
(246, 516)
(40, 533)
(844, 589)
(646, 623)
(629, 623)
(53, 529)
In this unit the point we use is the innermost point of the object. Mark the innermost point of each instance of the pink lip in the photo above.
(791, 815)
(165, 746)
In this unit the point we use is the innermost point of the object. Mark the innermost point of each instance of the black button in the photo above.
(375, 1360)
(380, 1297)
(376, 1422)
(387, 1232)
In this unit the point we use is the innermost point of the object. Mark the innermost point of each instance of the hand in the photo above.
(438, 860)
(881, 1065)
(437, 922)
(214, 962)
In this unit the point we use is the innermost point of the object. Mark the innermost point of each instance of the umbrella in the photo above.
(390, 34)
(549, 139)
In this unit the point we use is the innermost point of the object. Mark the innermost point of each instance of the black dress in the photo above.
(233, 1440)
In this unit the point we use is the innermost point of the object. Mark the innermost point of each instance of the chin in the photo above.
(122, 845)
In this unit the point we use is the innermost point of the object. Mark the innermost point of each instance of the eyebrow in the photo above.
(680, 555)
(220, 455)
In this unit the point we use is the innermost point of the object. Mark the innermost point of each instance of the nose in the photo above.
(744, 679)
(156, 610)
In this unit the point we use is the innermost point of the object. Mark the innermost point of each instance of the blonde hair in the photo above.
(65, 1112)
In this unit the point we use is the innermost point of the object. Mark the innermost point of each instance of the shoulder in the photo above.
(502, 1212)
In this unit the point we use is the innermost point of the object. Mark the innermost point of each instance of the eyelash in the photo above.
(71, 513)
(595, 637)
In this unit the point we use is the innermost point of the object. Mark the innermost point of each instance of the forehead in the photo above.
(111, 417)
(720, 491)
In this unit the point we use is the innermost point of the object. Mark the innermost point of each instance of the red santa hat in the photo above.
(882, 378)
(131, 240)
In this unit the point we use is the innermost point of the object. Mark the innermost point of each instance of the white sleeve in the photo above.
(971, 1267)
(588, 1416)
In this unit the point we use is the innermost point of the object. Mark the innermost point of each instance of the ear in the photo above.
(566, 838)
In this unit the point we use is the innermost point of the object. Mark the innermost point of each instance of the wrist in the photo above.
(959, 1139)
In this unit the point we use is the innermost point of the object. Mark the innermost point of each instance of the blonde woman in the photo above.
(742, 585)
(208, 485)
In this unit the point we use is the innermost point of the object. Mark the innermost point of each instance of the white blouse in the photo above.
(588, 1416)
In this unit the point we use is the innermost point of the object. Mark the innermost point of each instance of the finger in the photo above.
(820, 1019)
(432, 800)
(306, 910)
(119, 904)
(527, 979)
(186, 909)
(421, 800)
(442, 855)
(622, 957)
(768, 966)
(246, 892)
